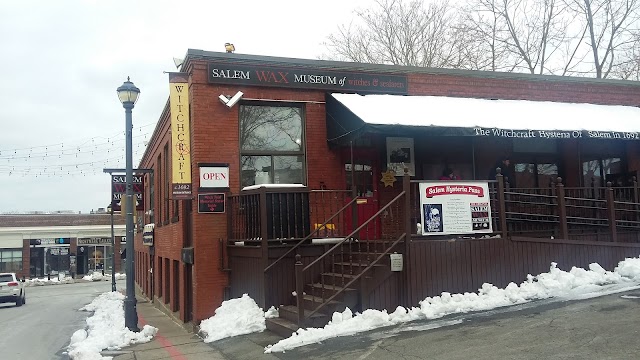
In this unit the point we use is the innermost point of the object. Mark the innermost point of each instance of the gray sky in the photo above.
(61, 120)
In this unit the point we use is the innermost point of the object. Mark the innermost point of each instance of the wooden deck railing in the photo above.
(285, 215)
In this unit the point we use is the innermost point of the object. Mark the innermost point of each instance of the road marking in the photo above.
(166, 344)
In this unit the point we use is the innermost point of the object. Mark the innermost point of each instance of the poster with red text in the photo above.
(455, 207)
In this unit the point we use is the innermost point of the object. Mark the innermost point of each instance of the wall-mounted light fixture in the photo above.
(229, 102)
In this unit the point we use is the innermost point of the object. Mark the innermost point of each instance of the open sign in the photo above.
(214, 177)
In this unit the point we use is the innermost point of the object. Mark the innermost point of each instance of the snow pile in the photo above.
(97, 276)
(105, 329)
(574, 284)
(271, 313)
(45, 281)
(236, 317)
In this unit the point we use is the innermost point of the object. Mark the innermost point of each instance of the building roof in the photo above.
(43, 220)
(194, 54)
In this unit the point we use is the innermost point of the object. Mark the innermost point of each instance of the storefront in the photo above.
(351, 129)
(49, 256)
(37, 245)
(94, 254)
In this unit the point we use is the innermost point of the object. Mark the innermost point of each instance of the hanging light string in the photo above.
(94, 144)
(61, 170)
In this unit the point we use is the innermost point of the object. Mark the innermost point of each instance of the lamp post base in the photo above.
(131, 314)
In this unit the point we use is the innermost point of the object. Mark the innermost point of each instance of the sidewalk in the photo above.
(171, 342)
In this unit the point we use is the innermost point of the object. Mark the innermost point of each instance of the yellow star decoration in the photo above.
(388, 178)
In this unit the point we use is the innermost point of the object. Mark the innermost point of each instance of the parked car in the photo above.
(12, 289)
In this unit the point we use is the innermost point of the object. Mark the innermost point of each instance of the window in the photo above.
(536, 175)
(272, 145)
(151, 198)
(167, 181)
(603, 161)
(10, 260)
(159, 190)
(595, 172)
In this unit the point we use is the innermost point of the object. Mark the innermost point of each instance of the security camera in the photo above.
(223, 99)
(234, 100)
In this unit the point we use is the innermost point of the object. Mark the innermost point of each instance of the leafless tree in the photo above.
(563, 37)
(526, 35)
(608, 24)
(402, 33)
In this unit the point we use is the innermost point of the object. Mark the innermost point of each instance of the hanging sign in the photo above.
(180, 136)
(119, 191)
(455, 207)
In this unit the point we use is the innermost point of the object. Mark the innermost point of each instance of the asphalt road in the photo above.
(41, 329)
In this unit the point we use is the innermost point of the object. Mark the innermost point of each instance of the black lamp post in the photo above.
(128, 95)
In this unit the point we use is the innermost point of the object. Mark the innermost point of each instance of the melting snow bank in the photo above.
(97, 276)
(574, 284)
(235, 317)
(105, 329)
(43, 281)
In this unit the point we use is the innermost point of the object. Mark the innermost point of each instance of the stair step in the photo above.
(318, 289)
(312, 302)
(290, 313)
(282, 327)
(337, 278)
(330, 287)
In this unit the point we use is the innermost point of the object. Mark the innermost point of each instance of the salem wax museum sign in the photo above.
(308, 78)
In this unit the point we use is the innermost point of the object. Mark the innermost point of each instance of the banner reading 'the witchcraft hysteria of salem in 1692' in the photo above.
(455, 207)
(180, 136)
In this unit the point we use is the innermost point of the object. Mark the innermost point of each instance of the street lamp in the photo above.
(128, 95)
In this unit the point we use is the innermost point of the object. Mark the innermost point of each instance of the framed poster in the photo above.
(455, 207)
(400, 154)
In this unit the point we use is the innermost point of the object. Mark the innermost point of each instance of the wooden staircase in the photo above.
(342, 271)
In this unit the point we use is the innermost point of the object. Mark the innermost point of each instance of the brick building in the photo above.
(303, 122)
(37, 245)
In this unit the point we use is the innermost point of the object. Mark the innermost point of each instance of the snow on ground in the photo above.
(235, 317)
(577, 283)
(44, 281)
(105, 329)
(97, 276)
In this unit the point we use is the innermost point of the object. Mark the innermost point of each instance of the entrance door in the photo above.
(365, 180)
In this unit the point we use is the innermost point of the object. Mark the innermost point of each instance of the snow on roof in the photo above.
(484, 113)
(272, 186)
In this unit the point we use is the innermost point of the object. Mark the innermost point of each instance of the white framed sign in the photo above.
(214, 176)
(455, 207)
(400, 154)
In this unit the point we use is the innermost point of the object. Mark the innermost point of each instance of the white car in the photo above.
(12, 289)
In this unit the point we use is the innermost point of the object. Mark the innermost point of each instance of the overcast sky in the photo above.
(62, 61)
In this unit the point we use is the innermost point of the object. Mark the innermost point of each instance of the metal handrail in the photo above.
(354, 232)
(357, 277)
(311, 234)
(366, 223)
